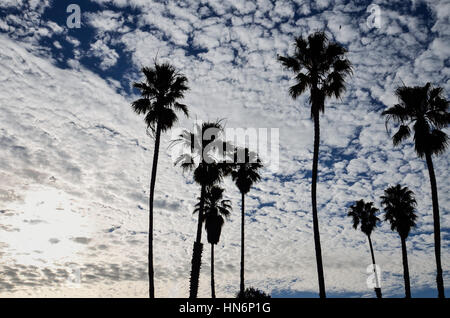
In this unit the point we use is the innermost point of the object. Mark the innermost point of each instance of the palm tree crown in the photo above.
(364, 214)
(399, 204)
(162, 88)
(244, 172)
(319, 65)
(425, 110)
(202, 152)
(216, 210)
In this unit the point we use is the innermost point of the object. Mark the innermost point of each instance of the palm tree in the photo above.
(399, 204)
(201, 156)
(215, 210)
(320, 66)
(425, 110)
(160, 92)
(364, 214)
(244, 172)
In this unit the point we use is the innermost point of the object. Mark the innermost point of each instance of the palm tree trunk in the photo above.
(437, 227)
(314, 206)
(213, 289)
(197, 250)
(377, 283)
(242, 285)
(405, 268)
(151, 290)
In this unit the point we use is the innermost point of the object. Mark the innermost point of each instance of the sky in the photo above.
(75, 161)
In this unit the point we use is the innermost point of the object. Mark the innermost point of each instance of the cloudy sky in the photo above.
(75, 160)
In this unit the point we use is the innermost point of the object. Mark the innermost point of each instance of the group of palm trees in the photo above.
(320, 66)
(216, 159)
(399, 204)
(424, 111)
(160, 92)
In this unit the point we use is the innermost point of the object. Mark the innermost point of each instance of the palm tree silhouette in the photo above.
(364, 214)
(244, 172)
(426, 111)
(215, 210)
(253, 293)
(160, 92)
(399, 205)
(202, 157)
(320, 66)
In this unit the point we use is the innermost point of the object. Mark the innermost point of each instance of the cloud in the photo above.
(81, 240)
(11, 3)
(107, 55)
(105, 20)
(26, 22)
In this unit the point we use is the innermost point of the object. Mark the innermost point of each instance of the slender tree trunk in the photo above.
(197, 250)
(242, 285)
(437, 228)
(314, 206)
(405, 268)
(377, 282)
(151, 290)
(213, 289)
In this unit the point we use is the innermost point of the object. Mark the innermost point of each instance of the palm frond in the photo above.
(300, 87)
(181, 107)
(141, 105)
(334, 84)
(164, 117)
(438, 142)
(398, 113)
(290, 63)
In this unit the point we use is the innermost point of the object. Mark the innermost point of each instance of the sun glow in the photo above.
(44, 228)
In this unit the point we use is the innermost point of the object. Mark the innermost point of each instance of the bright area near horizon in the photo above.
(75, 160)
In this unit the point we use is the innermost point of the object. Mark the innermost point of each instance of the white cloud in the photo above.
(73, 41)
(107, 55)
(11, 3)
(105, 20)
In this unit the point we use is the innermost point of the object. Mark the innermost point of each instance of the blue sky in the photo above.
(75, 159)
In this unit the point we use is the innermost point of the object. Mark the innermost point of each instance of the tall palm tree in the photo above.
(424, 111)
(364, 214)
(160, 92)
(399, 204)
(201, 156)
(245, 173)
(216, 209)
(320, 66)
